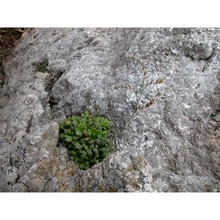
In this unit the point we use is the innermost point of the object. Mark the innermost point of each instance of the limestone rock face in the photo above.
(159, 87)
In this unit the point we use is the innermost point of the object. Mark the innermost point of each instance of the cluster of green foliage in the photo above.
(42, 66)
(86, 138)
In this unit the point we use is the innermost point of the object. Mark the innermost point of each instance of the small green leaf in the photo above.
(68, 122)
(62, 135)
(78, 146)
(89, 152)
(85, 132)
(86, 114)
(75, 138)
(69, 139)
(73, 153)
(78, 133)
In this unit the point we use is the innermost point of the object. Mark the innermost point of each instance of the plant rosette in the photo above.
(86, 138)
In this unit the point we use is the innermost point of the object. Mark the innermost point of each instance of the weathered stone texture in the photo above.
(159, 87)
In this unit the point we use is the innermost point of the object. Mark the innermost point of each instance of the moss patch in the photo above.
(42, 66)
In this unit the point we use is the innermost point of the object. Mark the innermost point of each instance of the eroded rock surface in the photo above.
(159, 87)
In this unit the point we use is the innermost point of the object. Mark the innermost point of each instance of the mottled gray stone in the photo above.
(166, 135)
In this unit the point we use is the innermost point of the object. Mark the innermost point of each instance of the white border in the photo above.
(110, 13)
(109, 206)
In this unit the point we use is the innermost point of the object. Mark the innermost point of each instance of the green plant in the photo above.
(42, 66)
(86, 138)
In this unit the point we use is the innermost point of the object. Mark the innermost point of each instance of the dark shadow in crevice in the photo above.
(52, 102)
(2, 75)
(52, 79)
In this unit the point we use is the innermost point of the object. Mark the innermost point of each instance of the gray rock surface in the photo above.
(159, 87)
